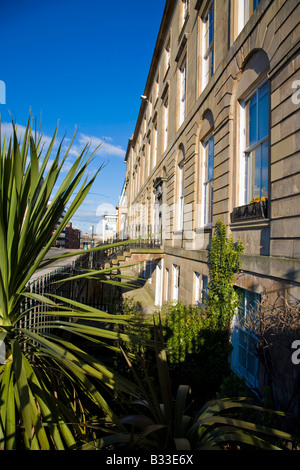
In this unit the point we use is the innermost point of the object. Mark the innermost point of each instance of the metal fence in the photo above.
(32, 312)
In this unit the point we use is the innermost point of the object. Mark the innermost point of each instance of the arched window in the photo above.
(182, 91)
(208, 45)
(253, 96)
(206, 153)
(180, 190)
(208, 179)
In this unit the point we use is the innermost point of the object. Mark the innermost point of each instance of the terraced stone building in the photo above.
(217, 137)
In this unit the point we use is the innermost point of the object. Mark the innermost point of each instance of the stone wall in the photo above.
(267, 48)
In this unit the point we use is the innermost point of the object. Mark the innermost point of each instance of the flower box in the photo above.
(251, 211)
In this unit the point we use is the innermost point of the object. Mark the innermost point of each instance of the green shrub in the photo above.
(182, 327)
(197, 351)
(224, 259)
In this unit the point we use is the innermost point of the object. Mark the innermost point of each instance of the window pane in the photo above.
(181, 197)
(252, 364)
(249, 182)
(255, 3)
(252, 121)
(197, 282)
(181, 169)
(204, 288)
(207, 41)
(210, 26)
(242, 357)
(257, 172)
(211, 63)
(182, 92)
(210, 155)
(252, 345)
(208, 202)
(264, 169)
(263, 112)
(257, 166)
(210, 172)
(241, 296)
(245, 360)
(251, 300)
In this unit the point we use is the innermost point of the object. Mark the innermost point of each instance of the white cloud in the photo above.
(7, 129)
(91, 211)
(105, 208)
(105, 148)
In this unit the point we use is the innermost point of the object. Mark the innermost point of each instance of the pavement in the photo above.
(57, 264)
(140, 293)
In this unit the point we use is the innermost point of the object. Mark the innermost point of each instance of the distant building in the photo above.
(109, 230)
(61, 240)
(122, 215)
(72, 237)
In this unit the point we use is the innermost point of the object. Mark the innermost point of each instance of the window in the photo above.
(167, 285)
(185, 10)
(245, 10)
(156, 88)
(167, 55)
(166, 121)
(150, 108)
(180, 196)
(257, 147)
(154, 145)
(155, 221)
(150, 271)
(200, 288)
(176, 281)
(159, 283)
(208, 176)
(208, 45)
(244, 361)
(182, 92)
(148, 157)
(143, 167)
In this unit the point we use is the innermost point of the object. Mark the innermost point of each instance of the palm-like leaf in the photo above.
(166, 426)
(43, 367)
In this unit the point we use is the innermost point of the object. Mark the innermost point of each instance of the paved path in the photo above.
(140, 293)
(57, 264)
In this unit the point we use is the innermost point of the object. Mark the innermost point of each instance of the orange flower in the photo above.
(257, 199)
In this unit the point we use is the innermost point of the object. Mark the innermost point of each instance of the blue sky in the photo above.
(83, 64)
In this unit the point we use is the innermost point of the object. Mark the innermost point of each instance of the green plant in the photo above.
(162, 422)
(197, 351)
(225, 261)
(45, 377)
(182, 326)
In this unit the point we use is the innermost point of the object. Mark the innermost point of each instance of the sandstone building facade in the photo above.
(217, 130)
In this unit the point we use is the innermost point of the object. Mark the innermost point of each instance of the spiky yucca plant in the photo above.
(44, 374)
(161, 422)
